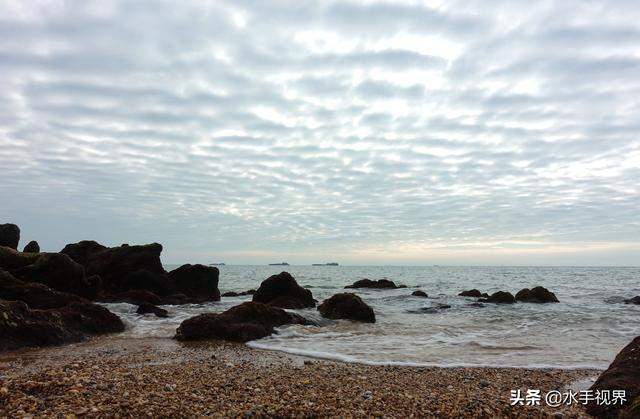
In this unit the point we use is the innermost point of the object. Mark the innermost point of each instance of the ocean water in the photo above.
(585, 330)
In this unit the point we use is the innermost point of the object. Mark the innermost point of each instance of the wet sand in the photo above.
(116, 377)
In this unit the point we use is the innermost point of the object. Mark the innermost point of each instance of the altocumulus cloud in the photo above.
(459, 132)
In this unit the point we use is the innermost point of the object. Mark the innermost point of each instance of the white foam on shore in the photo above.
(354, 360)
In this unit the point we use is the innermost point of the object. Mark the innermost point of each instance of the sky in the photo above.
(486, 132)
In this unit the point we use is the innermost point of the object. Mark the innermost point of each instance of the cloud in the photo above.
(381, 132)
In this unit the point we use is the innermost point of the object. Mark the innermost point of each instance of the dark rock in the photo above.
(21, 326)
(471, 293)
(9, 235)
(347, 306)
(242, 323)
(144, 280)
(238, 294)
(175, 299)
(622, 374)
(198, 282)
(36, 296)
(83, 250)
(282, 290)
(420, 293)
(55, 270)
(538, 295)
(500, 297)
(367, 283)
(32, 247)
(135, 297)
(477, 305)
(634, 300)
(123, 268)
(146, 308)
(430, 310)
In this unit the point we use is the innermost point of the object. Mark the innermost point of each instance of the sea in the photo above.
(585, 330)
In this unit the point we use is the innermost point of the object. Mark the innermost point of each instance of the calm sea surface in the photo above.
(586, 329)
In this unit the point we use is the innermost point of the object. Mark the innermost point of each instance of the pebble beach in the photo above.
(158, 377)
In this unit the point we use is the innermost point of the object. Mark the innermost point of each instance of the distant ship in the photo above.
(279, 264)
(325, 264)
(218, 264)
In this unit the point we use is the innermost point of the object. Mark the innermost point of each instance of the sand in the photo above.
(117, 377)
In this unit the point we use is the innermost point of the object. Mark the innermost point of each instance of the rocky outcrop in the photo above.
(9, 235)
(22, 326)
(238, 294)
(36, 296)
(146, 308)
(622, 374)
(473, 293)
(500, 297)
(347, 306)
(381, 283)
(56, 270)
(283, 291)
(634, 300)
(242, 323)
(198, 282)
(420, 293)
(122, 268)
(32, 247)
(538, 295)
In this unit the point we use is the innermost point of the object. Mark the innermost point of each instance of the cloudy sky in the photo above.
(460, 132)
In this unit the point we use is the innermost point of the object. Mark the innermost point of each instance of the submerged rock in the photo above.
(500, 297)
(9, 235)
(420, 293)
(238, 294)
(622, 374)
(135, 297)
(538, 295)
(32, 247)
(198, 282)
(368, 283)
(21, 326)
(283, 291)
(347, 306)
(242, 323)
(634, 300)
(473, 293)
(430, 310)
(146, 308)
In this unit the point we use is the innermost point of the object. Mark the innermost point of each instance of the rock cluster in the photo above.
(538, 295)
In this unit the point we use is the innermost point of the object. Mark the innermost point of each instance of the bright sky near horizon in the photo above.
(439, 132)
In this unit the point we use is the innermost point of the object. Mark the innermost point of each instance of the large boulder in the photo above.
(367, 283)
(37, 296)
(135, 297)
(473, 293)
(500, 297)
(538, 295)
(122, 268)
(622, 374)
(22, 326)
(283, 291)
(242, 323)
(9, 235)
(347, 306)
(198, 282)
(32, 247)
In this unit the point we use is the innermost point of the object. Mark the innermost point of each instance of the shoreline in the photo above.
(110, 375)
